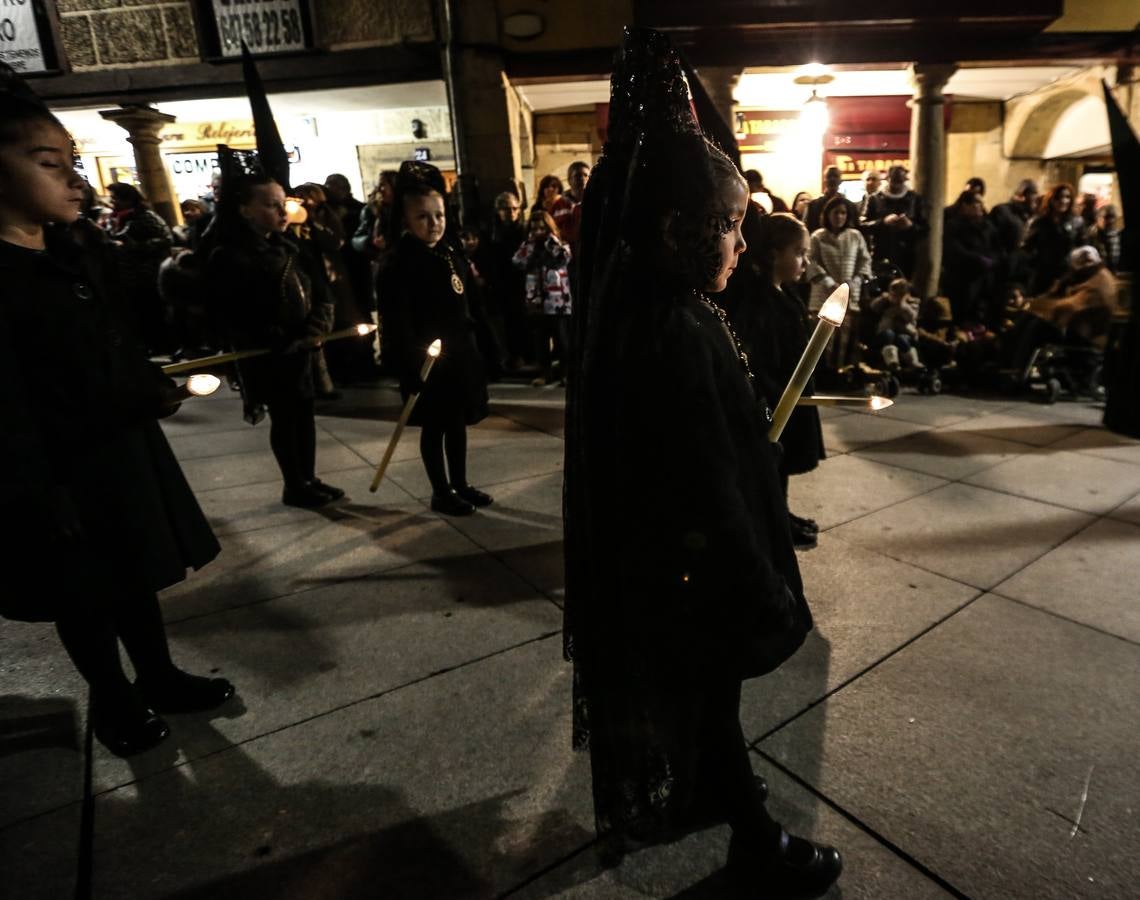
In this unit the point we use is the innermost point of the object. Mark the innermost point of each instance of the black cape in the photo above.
(79, 408)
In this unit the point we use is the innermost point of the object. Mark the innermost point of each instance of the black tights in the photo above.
(726, 768)
(452, 440)
(91, 635)
(293, 438)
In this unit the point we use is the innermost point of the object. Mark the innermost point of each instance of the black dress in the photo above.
(773, 330)
(419, 304)
(680, 563)
(79, 408)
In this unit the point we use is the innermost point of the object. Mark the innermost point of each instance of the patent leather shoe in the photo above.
(796, 867)
(182, 692)
(305, 496)
(473, 496)
(333, 493)
(450, 504)
(128, 729)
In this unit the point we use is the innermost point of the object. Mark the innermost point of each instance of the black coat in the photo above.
(80, 433)
(970, 258)
(773, 330)
(897, 246)
(271, 295)
(419, 304)
(505, 282)
(1048, 244)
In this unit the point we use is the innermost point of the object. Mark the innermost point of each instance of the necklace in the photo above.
(730, 331)
(456, 281)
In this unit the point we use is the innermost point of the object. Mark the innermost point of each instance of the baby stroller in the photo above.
(1074, 367)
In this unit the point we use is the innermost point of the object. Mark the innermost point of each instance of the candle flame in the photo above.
(295, 211)
(878, 403)
(203, 384)
(835, 307)
(436, 348)
(363, 329)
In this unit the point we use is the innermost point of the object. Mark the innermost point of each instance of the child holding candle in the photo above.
(423, 292)
(773, 329)
(105, 516)
(681, 578)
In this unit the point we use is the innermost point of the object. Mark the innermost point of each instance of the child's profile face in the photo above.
(265, 210)
(720, 247)
(38, 181)
(425, 218)
(788, 263)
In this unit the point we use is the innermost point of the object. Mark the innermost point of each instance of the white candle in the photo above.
(202, 384)
(432, 355)
(873, 403)
(830, 317)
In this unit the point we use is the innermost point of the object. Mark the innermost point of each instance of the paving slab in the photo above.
(1014, 425)
(259, 466)
(43, 719)
(848, 433)
(1082, 412)
(934, 411)
(1104, 443)
(865, 606)
(352, 540)
(526, 457)
(544, 410)
(38, 857)
(846, 487)
(973, 747)
(375, 800)
(525, 512)
(1090, 578)
(305, 654)
(1129, 511)
(946, 453)
(692, 868)
(1076, 480)
(972, 535)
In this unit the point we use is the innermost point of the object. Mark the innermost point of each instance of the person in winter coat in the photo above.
(1052, 236)
(423, 295)
(772, 325)
(839, 255)
(273, 296)
(144, 241)
(896, 335)
(896, 219)
(970, 261)
(106, 518)
(504, 284)
(545, 260)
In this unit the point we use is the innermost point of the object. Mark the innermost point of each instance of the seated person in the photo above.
(897, 333)
(1088, 286)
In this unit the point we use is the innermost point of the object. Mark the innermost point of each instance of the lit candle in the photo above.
(202, 384)
(217, 360)
(295, 212)
(432, 355)
(830, 317)
(873, 403)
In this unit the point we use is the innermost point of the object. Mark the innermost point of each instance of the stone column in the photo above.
(142, 124)
(720, 82)
(928, 165)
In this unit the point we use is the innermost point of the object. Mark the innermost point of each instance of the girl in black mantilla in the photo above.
(681, 578)
(773, 329)
(105, 517)
(273, 295)
(423, 296)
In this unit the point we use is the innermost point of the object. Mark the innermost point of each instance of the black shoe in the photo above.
(805, 524)
(333, 493)
(451, 504)
(305, 496)
(473, 496)
(128, 727)
(796, 868)
(182, 692)
(802, 539)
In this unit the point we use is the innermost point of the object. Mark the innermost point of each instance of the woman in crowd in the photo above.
(144, 241)
(545, 260)
(107, 518)
(422, 292)
(839, 255)
(1052, 236)
(800, 204)
(772, 325)
(681, 579)
(273, 296)
(548, 194)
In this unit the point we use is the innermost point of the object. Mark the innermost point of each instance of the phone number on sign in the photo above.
(266, 30)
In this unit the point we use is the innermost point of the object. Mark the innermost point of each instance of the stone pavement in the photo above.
(964, 721)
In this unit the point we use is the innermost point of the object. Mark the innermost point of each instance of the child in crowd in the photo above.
(897, 333)
(546, 260)
(423, 290)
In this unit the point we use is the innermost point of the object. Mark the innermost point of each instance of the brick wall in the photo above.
(360, 23)
(102, 34)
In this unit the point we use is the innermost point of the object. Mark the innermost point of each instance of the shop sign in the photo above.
(422, 154)
(757, 131)
(20, 45)
(854, 164)
(267, 26)
(237, 134)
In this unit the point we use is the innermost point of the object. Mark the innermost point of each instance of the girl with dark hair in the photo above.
(1052, 236)
(673, 595)
(273, 295)
(548, 194)
(144, 242)
(838, 255)
(423, 295)
(107, 518)
(545, 259)
(773, 328)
